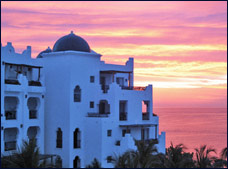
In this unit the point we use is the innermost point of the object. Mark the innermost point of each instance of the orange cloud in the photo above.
(175, 44)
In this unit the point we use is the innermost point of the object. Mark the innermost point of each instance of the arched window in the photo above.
(59, 138)
(77, 162)
(77, 138)
(77, 94)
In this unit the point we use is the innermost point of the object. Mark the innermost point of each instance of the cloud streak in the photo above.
(175, 44)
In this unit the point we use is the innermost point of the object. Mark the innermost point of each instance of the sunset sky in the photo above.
(179, 47)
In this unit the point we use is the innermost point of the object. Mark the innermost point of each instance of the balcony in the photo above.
(34, 83)
(145, 116)
(98, 114)
(123, 116)
(10, 115)
(13, 71)
(10, 145)
(32, 114)
(138, 88)
(12, 81)
(147, 141)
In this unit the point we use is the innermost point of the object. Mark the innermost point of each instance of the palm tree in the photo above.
(204, 160)
(177, 158)
(223, 153)
(95, 164)
(144, 154)
(126, 160)
(143, 157)
(158, 161)
(222, 161)
(26, 157)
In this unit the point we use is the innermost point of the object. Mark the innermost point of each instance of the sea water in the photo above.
(194, 127)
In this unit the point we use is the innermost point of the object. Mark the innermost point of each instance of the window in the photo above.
(77, 138)
(145, 110)
(123, 110)
(125, 131)
(109, 133)
(77, 162)
(59, 138)
(118, 143)
(120, 81)
(77, 94)
(91, 79)
(91, 104)
(145, 133)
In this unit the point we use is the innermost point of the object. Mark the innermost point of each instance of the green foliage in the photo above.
(177, 158)
(58, 162)
(141, 158)
(95, 164)
(26, 157)
(146, 156)
(223, 154)
(204, 160)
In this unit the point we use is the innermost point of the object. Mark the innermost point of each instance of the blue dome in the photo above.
(71, 42)
(48, 50)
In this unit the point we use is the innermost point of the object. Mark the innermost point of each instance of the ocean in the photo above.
(194, 127)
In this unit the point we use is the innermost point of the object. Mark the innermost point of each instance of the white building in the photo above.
(84, 108)
(22, 99)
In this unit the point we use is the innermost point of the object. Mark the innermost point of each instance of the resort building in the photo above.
(74, 104)
(22, 99)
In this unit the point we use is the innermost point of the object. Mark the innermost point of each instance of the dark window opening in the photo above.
(109, 133)
(77, 94)
(104, 107)
(118, 143)
(91, 104)
(123, 110)
(125, 131)
(77, 138)
(59, 138)
(120, 81)
(92, 79)
(77, 162)
(145, 133)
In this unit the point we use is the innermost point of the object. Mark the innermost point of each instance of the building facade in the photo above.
(22, 99)
(87, 109)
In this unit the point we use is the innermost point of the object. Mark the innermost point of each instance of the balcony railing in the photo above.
(32, 114)
(139, 88)
(145, 116)
(105, 88)
(10, 115)
(123, 116)
(34, 83)
(10, 145)
(12, 81)
(155, 141)
(98, 114)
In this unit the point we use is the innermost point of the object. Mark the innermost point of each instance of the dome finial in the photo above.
(71, 32)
